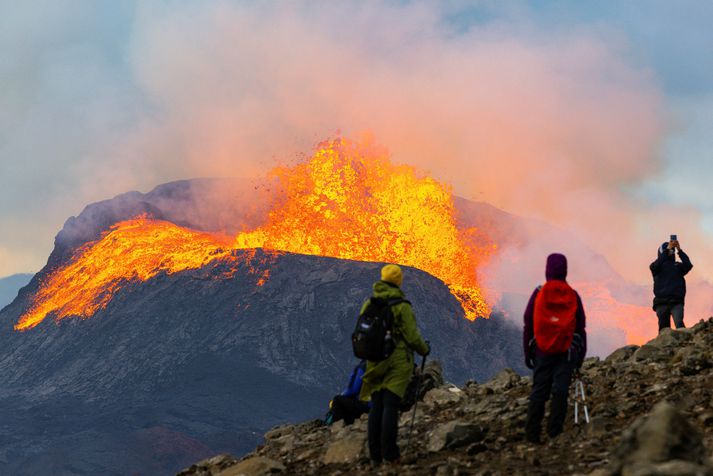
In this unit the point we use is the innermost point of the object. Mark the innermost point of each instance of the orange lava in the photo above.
(133, 250)
(347, 201)
(605, 312)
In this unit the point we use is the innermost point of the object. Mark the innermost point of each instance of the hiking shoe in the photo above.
(534, 439)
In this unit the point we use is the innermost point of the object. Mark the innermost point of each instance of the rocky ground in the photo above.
(651, 411)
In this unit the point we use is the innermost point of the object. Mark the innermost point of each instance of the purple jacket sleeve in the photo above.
(528, 331)
(581, 326)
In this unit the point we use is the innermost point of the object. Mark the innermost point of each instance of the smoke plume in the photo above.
(560, 125)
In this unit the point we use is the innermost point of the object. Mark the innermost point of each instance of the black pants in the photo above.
(664, 313)
(348, 409)
(384, 426)
(552, 375)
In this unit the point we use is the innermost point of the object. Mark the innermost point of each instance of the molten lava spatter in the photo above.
(348, 201)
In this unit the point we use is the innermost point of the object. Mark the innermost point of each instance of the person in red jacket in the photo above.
(555, 343)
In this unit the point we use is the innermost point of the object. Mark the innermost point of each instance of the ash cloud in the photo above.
(558, 124)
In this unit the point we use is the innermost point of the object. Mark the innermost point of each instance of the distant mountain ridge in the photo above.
(10, 285)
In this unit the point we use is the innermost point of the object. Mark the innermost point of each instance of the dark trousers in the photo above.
(552, 375)
(384, 426)
(664, 313)
(348, 409)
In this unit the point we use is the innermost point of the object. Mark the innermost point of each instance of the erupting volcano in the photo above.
(347, 201)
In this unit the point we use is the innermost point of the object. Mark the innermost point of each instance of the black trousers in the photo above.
(348, 409)
(384, 426)
(664, 312)
(552, 376)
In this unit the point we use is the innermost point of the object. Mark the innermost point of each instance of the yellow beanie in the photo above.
(391, 273)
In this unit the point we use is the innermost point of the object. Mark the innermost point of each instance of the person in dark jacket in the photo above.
(670, 284)
(347, 405)
(552, 372)
(385, 382)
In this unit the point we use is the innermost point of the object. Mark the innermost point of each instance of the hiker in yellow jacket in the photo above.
(386, 381)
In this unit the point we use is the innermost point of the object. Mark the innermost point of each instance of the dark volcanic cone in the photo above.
(187, 365)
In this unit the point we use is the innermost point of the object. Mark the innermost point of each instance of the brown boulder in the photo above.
(455, 434)
(347, 449)
(254, 466)
(622, 354)
(662, 436)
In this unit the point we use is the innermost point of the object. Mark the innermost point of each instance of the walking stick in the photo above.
(579, 396)
(418, 392)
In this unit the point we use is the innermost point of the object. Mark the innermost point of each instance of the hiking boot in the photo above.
(533, 437)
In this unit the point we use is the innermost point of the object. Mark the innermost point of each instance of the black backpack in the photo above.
(372, 338)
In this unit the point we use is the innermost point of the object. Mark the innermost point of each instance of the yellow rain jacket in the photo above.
(394, 373)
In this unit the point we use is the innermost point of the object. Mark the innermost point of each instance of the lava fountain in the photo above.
(347, 201)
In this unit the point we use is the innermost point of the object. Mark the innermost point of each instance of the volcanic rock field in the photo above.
(651, 411)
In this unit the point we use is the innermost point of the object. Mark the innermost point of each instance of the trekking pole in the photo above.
(579, 396)
(418, 392)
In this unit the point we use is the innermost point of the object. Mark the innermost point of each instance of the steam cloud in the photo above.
(554, 125)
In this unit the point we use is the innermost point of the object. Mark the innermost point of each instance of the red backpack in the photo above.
(555, 317)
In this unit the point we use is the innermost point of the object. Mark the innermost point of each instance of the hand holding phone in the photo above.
(673, 244)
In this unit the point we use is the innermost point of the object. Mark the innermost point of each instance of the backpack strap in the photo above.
(532, 345)
(391, 303)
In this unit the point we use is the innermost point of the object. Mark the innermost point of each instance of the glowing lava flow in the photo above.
(133, 250)
(348, 201)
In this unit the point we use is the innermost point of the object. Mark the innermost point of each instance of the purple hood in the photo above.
(556, 267)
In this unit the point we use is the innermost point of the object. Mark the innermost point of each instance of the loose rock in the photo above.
(479, 429)
(455, 434)
(254, 466)
(622, 354)
(661, 436)
(346, 450)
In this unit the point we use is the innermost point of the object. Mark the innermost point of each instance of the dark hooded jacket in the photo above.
(669, 281)
(556, 270)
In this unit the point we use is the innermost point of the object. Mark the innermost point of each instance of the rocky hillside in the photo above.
(651, 413)
(203, 361)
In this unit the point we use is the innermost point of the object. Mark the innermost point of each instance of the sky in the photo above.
(593, 116)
